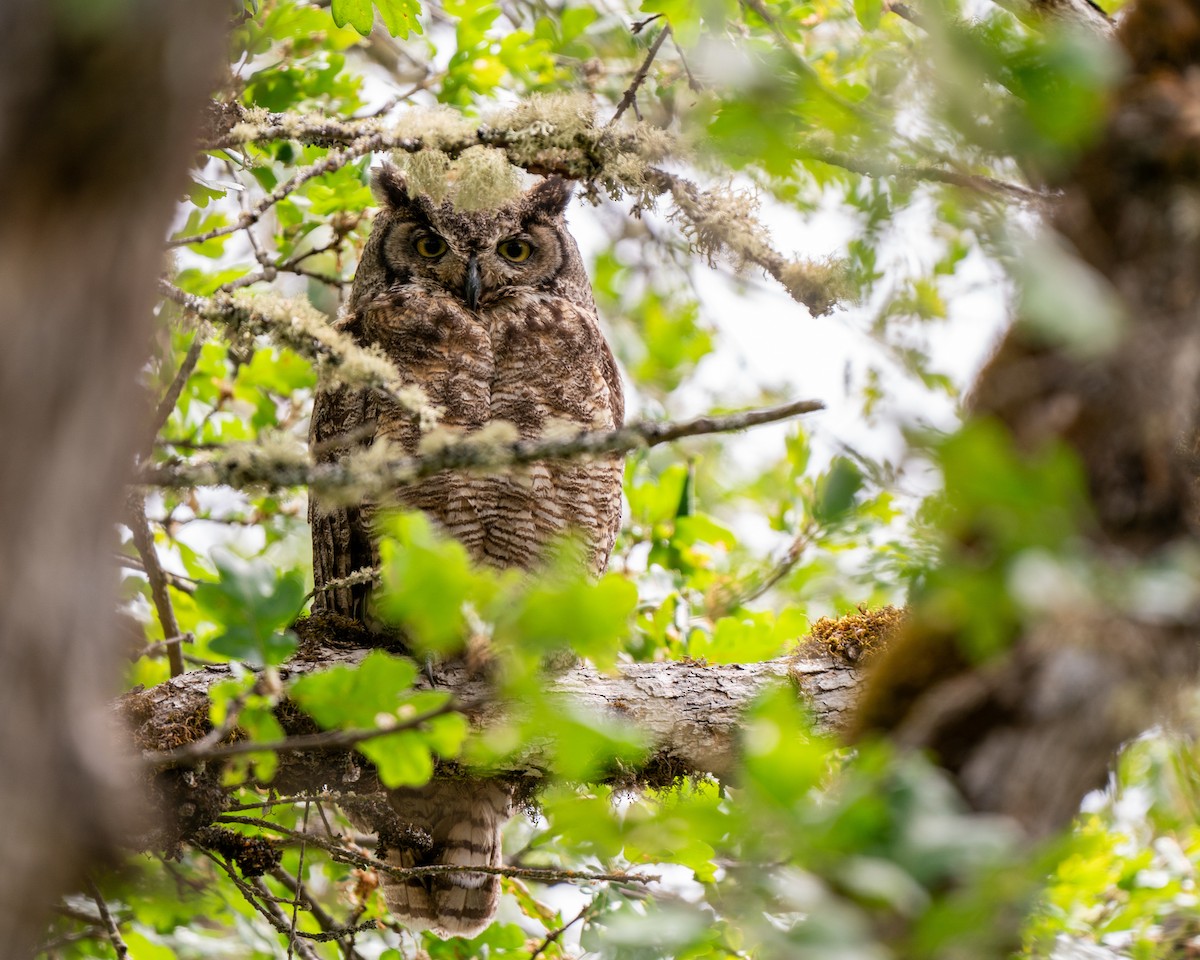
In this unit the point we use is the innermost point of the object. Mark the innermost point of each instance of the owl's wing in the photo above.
(343, 418)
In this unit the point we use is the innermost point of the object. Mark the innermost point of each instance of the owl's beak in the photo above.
(472, 287)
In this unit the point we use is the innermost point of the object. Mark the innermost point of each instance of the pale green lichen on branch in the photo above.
(279, 462)
(296, 324)
(443, 153)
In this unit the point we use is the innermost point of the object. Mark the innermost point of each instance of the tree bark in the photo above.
(99, 109)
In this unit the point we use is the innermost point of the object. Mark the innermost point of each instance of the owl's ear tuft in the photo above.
(389, 186)
(550, 197)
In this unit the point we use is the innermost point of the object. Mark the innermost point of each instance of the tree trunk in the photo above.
(99, 111)
(1029, 733)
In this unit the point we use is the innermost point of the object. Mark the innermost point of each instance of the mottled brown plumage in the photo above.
(491, 313)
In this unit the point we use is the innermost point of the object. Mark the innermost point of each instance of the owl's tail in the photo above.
(455, 823)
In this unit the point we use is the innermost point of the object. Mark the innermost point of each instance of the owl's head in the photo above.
(478, 257)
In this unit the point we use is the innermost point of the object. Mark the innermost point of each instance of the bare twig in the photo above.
(211, 748)
(169, 399)
(259, 898)
(346, 855)
(553, 935)
(110, 924)
(143, 540)
(88, 933)
(178, 581)
(639, 77)
(781, 569)
(327, 923)
(243, 469)
(162, 646)
(298, 892)
(978, 183)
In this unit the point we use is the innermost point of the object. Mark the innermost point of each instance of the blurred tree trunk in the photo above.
(1030, 733)
(99, 106)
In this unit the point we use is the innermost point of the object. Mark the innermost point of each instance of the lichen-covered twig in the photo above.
(364, 473)
(975, 182)
(556, 135)
(327, 164)
(299, 326)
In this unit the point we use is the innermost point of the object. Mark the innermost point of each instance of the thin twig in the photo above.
(639, 77)
(246, 470)
(345, 855)
(169, 399)
(143, 540)
(266, 907)
(324, 920)
(781, 569)
(161, 646)
(299, 891)
(211, 748)
(978, 183)
(90, 933)
(178, 581)
(327, 164)
(110, 924)
(553, 935)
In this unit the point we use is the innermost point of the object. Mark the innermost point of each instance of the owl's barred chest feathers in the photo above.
(529, 359)
(492, 316)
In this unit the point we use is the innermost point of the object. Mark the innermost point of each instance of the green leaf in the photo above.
(357, 13)
(427, 579)
(836, 490)
(378, 694)
(868, 13)
(398, 16)
(252, 603)
(575, 613)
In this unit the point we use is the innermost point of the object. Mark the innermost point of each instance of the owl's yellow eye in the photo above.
(430, 246)
(517, 251)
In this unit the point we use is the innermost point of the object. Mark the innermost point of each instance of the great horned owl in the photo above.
(491, 313)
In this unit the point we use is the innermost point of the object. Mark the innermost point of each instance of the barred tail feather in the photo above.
(463, 819)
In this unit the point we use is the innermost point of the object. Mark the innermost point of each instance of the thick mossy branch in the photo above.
(560, 135)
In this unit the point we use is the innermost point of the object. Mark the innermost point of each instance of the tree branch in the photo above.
(143, 540)
(110, 924)
(537, 138)
(640, 77)
(248, 466)
(327, 164)
(690, 713)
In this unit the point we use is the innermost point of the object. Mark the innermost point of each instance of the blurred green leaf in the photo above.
(253, 604)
